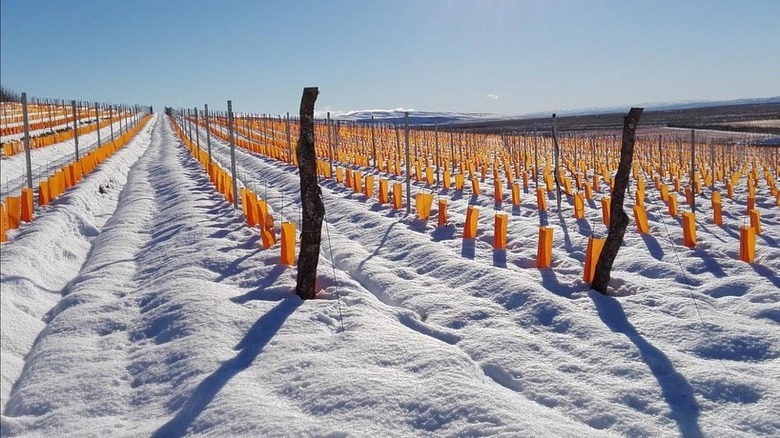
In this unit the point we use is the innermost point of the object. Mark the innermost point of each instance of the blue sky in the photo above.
(510, 57)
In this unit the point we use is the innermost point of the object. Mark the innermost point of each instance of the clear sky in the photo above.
(509, 57)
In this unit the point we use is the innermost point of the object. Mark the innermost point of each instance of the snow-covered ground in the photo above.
(37, 132)
(150, 309)
(46, 160)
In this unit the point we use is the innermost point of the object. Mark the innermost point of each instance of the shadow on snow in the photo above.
(677, 392)
(249, 348)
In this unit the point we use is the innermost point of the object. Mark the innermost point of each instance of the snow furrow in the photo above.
(47, 254)
(409, 264)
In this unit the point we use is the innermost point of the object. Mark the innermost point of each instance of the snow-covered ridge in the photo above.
(418, 117)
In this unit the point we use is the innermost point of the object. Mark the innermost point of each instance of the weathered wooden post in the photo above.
(408, 166)
(197, 129)
(556, 154)
(27, 159)
(693, 171)
(618, 217)
(289, 142)
(373, 140)
(231, 136)
(208, 130)
(97, 117)
(313, 210)
(75, 128)
(330, 146)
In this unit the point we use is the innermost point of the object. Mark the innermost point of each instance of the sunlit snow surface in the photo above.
(150, 309)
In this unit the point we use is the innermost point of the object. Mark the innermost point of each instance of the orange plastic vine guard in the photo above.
(288, 244)
(368, 189)
(541, 201)
(470, 227)
(515, 195)
(383, 194)
(605, 205)
(3, 223)
(673, 204)
(747, 244)
(442, 212)
(717, 209)
(689, 229)
(544, 251)
(398, 196)
(27, 205)
(579, 206)
(592, 253)
(499, 234)
(43, 193)
(755, 221)
(423, 205)
(14, 211)
(640, 216)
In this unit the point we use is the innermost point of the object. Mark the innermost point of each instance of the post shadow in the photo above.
(468, 250)
(249, 348)
(675, 389)
(584, 227)
(380, 246)
(499, 258)
(566, 238)
(767, 273)
(444, 232)
(652, 245)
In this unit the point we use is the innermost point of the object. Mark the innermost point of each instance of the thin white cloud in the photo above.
(492, 96)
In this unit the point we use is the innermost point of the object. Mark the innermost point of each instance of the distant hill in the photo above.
(417, 117)
(445, 118)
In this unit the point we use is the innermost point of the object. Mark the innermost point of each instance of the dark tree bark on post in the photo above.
(313, 210)
(618, 218)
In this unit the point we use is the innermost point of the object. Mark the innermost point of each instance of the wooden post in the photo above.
(75, 128)
(438, 157)
(536, 161)
(232, 153)
(660, 156)
(556, 164)
(452, 153)
(618, 218)
(197, 131)
(693, 171)
(289, 142)
(313, 209)
(208, 131)
(330, 143)
(97, 116)
(408, 164)
(373, 141)
(27, 158)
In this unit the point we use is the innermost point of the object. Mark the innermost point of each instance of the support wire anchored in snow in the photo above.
(335, 278)
(676, 255)
(247, 182)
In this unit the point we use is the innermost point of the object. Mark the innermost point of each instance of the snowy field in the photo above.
(148, 308)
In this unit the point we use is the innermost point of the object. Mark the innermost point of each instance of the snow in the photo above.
(59, 126)
(151, 309)
(415, 117)
(421, 117)
(46, 160)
